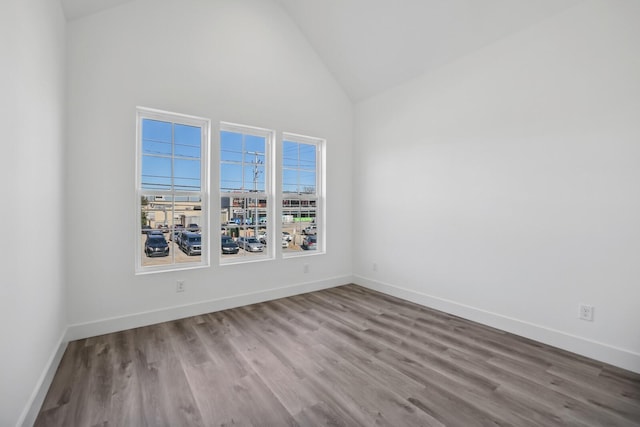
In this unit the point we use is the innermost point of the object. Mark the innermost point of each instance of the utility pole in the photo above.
(256, 175)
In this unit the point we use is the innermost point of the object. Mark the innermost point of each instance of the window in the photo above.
(172, 191)
(246, 189)
(302, 194)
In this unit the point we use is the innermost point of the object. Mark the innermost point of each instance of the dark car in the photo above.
(194, 228)
(309, 242)
(146, 229)
(229, 246)
(190, 243)
(156, 245)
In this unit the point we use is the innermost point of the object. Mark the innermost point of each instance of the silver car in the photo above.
(250, 244)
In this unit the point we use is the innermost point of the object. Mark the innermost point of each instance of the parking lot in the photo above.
(294, 246)
(174, 251)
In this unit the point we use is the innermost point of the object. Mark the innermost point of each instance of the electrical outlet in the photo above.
(586, 312)
(305, 268)
(180, 287)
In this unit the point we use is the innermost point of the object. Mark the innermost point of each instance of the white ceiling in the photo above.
(372, 45)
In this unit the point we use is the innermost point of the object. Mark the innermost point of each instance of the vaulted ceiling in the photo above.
(372, 45)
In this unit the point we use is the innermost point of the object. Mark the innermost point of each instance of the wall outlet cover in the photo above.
(586, 312)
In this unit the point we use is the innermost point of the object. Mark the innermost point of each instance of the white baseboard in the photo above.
(596, 350)
(31, 410)
(115, 324)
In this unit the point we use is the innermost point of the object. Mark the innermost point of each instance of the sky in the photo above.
(168, 145)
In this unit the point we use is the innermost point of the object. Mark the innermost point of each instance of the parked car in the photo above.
(310, 230)
(250, 244)
(229, 246)
(177, 231)
(156, 245)
(286, 236)
(309, 242)
(154, 233)
(193, 227)
(190, 243)
(262, 238)
(146, 229)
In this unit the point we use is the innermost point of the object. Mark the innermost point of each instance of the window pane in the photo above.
(189, 224)
(299, 168)
(230, 141)
(155, 130)
(307, 182)
(244, 230)
(289, 181)
(187, 135)
(156, 173)
(255, 144)
(254, 178)
(187, 175)
(289, 154)
(308, 156)
(230, 177)
(155, 217)
(242, 162)
(187, 141)
(299, 225)
(176, 221)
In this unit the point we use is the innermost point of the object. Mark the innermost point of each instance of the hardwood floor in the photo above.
(345, 356)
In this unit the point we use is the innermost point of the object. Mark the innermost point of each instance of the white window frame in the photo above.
(268, 194)
(320, 195)
(183, 119)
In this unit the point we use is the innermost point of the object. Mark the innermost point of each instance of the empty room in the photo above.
(306, 212)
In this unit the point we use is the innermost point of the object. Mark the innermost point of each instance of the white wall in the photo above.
(32, 293)
(238, 61)
(504, 187)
